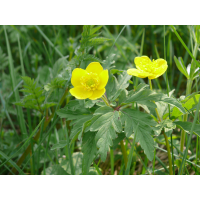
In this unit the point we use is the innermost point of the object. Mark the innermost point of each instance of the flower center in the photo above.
(90, 81)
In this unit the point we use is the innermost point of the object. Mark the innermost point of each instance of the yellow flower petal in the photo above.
(76, 75)
(97, 94)
(103, 76)
(80, 93)
(94, 67)
(152, 76)
(142, 62)
(161, 67)
(138, 73)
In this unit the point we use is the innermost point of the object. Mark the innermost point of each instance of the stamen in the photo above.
(90, 81)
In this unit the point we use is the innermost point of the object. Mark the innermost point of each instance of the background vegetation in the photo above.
(45, 54)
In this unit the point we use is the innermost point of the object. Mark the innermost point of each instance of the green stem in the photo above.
(150, 84)
(105, 100)
(124, 153)
(189, 140)
(169, 155)
(188, 91)
(166, 139)
(112, 161)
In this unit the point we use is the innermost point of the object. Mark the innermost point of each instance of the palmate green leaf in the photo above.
(186, 126)
(145, 123)
(105, 136)
(190, 103)
(107, 125)
(144, 94)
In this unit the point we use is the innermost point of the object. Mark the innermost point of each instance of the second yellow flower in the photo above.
(147, 68)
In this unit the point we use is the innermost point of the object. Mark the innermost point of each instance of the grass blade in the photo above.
(189, 140)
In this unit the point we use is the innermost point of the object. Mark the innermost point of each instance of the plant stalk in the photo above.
(124, 153)
(188, 91)
(166, 139)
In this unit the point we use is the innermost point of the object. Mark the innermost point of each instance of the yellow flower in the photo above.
(89, 83)
(147, 68)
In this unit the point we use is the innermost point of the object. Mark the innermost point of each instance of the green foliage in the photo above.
(142, 123)
(189, 103)
(3, 60)
(62, 69)
(180, 64)
(144, 94)
(116, 86)
(187, 127)
(35, 99)
(89, 150)
(167, 125)
(94, 131)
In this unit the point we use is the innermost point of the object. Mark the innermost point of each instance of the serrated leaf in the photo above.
(116, 123)
(128, 129)
(104, 136)
(143, 124)
(186, 126)
(106, 126)
(101, 121)
(103, 110)
(144, 94)
(140, 117)
(146, 142)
